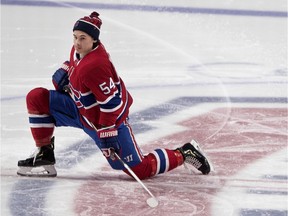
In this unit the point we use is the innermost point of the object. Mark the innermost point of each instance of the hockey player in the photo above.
(91, 96)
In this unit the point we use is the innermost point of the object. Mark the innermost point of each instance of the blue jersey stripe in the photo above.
(88, 100)
(114, 102)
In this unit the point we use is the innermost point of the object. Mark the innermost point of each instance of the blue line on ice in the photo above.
(149, 8)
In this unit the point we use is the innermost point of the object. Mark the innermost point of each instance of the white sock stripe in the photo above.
(160, 158)
(49, 125)
(157, 161)
(166, 159)
(38, 116)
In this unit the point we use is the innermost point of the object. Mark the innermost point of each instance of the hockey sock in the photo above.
(41, 123)
(157, 162)
(167, 160)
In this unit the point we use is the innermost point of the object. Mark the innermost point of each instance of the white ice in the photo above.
(161, 56)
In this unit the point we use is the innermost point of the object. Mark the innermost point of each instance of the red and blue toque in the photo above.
(90, 25)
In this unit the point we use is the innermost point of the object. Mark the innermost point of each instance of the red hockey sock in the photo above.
(41, 123)
(167, 160)
(42, 136)
(157, 162)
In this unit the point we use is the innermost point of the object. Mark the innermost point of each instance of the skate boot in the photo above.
(194, 156)
(40, 164)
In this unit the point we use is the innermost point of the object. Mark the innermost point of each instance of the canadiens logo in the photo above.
(76, 96)
(82, 100)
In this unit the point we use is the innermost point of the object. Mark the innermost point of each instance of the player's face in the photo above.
(83, 43)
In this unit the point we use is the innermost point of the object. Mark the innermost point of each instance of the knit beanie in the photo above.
(90, 25)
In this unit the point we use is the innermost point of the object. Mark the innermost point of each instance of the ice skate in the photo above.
(40, 164)
(194, 156)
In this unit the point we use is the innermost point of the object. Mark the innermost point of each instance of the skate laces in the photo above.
(35, 154)
(194, 156)
(193, 161)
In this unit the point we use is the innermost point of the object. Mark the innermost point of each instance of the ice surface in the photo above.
(193, 73)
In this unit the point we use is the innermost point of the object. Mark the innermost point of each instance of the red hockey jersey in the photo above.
(96, 88)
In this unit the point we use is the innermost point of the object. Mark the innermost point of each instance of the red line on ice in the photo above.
(232, 138)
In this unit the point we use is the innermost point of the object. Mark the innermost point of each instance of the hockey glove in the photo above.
(60, 77)
(109, 142)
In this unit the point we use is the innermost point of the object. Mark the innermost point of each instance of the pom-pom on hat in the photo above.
(90, 25)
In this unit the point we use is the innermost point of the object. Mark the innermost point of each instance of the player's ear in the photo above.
(95, 43)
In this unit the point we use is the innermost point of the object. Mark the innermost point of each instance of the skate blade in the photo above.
(196, 145)
(189, 168)
(40, 171)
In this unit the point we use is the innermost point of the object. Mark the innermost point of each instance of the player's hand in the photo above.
(60, 77)
(109, 141)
